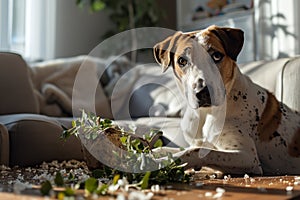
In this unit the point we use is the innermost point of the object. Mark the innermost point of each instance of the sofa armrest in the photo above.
(4, 146)
(265, 73)
(17, 94)
(288, 83)
(34, 139)
(281, 77)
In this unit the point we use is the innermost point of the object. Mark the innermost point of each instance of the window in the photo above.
(18, 25)
(24, 28)
(4, 25)
(12, 25)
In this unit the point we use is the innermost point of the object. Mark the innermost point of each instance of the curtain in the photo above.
(40, 19)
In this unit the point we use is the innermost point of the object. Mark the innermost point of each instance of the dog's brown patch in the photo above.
(227, 41)
(294, 146)
(214, 43)
(167, 51)
(270, 119)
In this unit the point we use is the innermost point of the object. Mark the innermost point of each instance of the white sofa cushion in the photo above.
(281, 77)
(146, 91)
(265, 73)
(288, 83)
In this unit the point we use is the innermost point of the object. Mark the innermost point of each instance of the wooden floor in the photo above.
(283, 187)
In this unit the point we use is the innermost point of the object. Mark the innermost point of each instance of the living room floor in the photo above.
(236, 188)
(227, 187)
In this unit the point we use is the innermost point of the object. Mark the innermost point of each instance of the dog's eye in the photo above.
(217, 56)
(182, 61)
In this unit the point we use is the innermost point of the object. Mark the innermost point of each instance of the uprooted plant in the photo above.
(129, 159)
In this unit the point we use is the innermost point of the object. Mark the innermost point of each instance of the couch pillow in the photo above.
(17, 95)
(146, 91)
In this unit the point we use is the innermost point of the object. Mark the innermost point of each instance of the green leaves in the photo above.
(145, 181)
(105, 123)
(97, 5)
(46, 187)
(158, 143)
(115, 179)
(139, 154)
(89, 125)
(91, 185)
(59, 180)
(144, 13)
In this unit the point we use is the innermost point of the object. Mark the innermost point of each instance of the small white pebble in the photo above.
(208, 194)
(217, 195)
(190, 171)
(113, 188)
(138, 195)
(212, 176)
(28, 169)
(199, 184)
(220, 190)
(246, 176)
(121, 197)
(155, 188)
(4, 167)
(289, 188)
(95, 196)
(121, 182)
(20, 177)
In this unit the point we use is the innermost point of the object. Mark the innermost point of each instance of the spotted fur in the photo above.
(270, 119)
(260, 135)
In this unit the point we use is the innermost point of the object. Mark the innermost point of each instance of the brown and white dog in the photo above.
(231, 124)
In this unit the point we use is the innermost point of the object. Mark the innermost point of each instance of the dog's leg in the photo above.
(191, 126)
(229, 161)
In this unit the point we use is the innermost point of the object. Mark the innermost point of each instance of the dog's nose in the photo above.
(199, 84)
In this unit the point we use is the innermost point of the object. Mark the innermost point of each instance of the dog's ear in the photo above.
(165, 50)
(232, 39)
(161, 54)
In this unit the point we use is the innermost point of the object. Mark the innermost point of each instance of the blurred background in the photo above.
(49, 29)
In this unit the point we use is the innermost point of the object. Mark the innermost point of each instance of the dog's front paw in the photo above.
(192, 157)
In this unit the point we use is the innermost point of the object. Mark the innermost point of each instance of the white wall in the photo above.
(77, 31)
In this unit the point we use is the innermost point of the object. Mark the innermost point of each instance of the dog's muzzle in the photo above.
(203, 97)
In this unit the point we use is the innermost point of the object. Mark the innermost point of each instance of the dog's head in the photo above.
(201, 58)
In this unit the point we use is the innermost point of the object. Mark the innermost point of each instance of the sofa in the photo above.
(40, 99)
